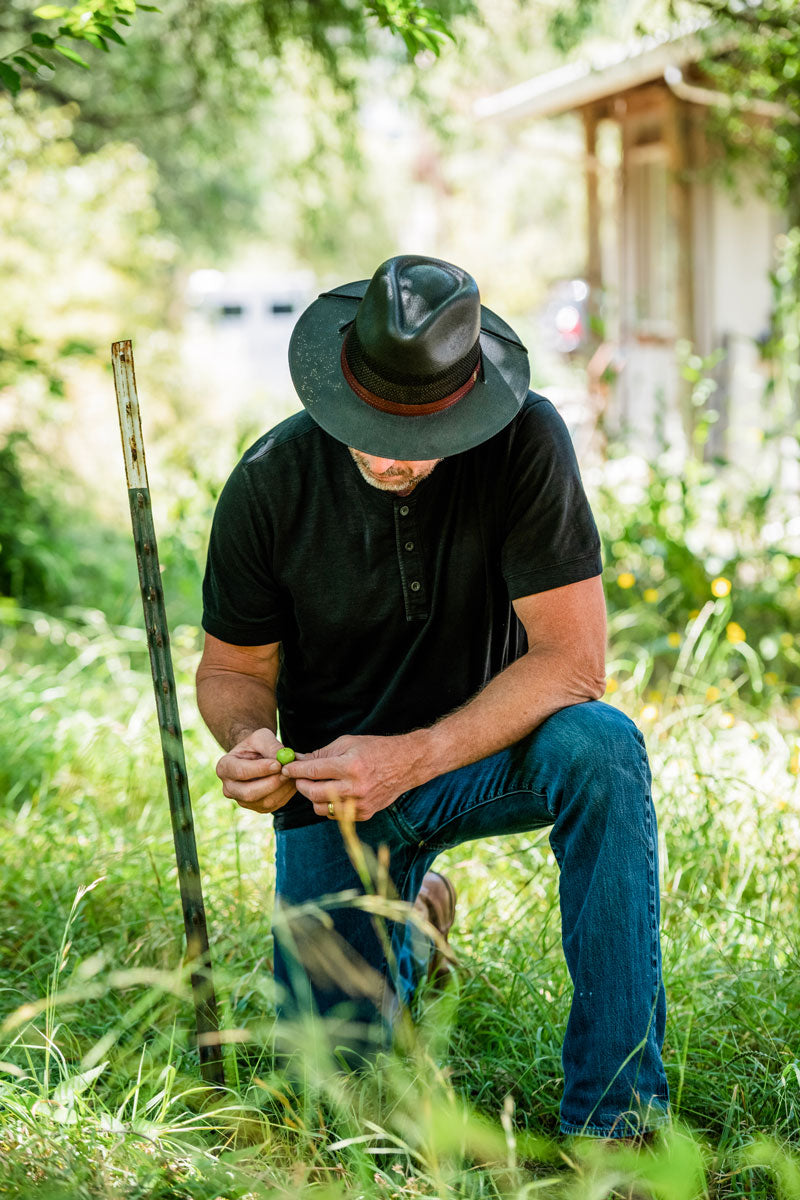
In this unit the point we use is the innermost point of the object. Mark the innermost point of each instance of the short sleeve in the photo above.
(241, 602)
(550, 535)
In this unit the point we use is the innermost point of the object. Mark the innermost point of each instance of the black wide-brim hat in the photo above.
(409, 364)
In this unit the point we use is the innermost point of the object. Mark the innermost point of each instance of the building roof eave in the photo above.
(578, 84)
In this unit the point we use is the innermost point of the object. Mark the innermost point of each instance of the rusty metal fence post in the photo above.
(180, 805)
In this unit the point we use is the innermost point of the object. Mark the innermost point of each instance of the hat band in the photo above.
(395, 407)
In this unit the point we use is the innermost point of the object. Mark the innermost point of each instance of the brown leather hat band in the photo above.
(405, 410)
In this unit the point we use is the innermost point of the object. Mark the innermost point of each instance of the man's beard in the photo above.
(400, 481)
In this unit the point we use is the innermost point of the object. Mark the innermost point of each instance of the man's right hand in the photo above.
(251, 774)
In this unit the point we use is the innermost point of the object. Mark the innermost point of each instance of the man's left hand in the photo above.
(357, 776)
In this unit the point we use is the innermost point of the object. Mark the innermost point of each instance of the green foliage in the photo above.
(569, 25)
(200, 81)
(421, 27)
(100, 1083)
(66, 282)
(700, 580)
(763, 64)
(95, 22)
(53, 553)
(92, 23)
(783, 347)
(34, 565)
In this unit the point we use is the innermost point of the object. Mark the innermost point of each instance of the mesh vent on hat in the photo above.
(400, 387)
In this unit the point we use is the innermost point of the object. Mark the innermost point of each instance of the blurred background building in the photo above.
(678, 257)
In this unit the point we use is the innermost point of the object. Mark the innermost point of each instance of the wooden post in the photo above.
(677, 139)
(594, 264)
(180, 805)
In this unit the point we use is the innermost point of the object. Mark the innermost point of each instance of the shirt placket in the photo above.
(409, 559)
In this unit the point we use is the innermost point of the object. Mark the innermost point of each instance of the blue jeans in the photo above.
(584, 771)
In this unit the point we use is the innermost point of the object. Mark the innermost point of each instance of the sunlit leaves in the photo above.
(72, 55)
(89, 23)
(420, 27)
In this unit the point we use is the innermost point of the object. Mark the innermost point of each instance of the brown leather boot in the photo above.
(436, 901)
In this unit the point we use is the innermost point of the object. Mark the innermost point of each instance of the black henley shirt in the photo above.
(391, 610)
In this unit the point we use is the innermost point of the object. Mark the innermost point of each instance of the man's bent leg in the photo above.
(605, 840)
(584, 771)
(330, 950)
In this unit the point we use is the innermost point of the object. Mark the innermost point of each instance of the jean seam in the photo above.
(481, 804)
(404, 828)
(652, 892)
(654, 934)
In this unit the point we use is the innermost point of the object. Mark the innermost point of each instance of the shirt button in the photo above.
(409, 545)
(416, 585)
(404, 510)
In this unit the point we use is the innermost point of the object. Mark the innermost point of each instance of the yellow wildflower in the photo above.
(712, 694)
(734, 633)
(721, 587)
(611, 685)
(674, 639)
(650, 595)
(786, 640)
(694, 613)
(726, 720)
(770, 678)
(626, 580)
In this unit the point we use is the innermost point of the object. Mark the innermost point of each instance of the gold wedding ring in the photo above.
(331, 812)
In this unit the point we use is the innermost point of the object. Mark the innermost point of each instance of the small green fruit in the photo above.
(285, 755)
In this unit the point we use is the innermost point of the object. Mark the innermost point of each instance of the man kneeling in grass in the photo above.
(408, 572)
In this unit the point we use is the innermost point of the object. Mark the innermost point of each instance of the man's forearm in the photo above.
(512, 704)
(234, 706)
(367, 773)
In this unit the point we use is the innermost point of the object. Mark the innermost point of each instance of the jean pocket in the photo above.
(402, 825)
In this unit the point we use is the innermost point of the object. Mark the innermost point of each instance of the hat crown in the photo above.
(419, 315)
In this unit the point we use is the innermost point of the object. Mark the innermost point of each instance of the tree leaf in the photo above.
(42, 39)
(94, 39)
(110, 32)
(26, 64)
(148, 7)
(51, 12)
(72, 55)
(10, 78)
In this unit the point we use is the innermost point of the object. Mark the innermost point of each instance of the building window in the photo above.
(653, 241)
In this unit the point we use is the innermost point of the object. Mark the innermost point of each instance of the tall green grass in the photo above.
(100, 1092)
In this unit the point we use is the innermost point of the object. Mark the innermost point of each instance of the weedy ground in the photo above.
(100, 1094)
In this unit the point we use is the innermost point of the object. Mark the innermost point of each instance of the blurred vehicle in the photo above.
(238, 324)
(565, 316)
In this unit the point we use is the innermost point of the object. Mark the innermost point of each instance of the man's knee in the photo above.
(597, 753)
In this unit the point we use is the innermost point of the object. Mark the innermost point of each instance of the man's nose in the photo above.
(381, 465)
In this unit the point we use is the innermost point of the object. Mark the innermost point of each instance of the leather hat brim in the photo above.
(315, 364)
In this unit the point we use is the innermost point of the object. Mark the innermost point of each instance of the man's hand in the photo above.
(359, 776)
(251, 775)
